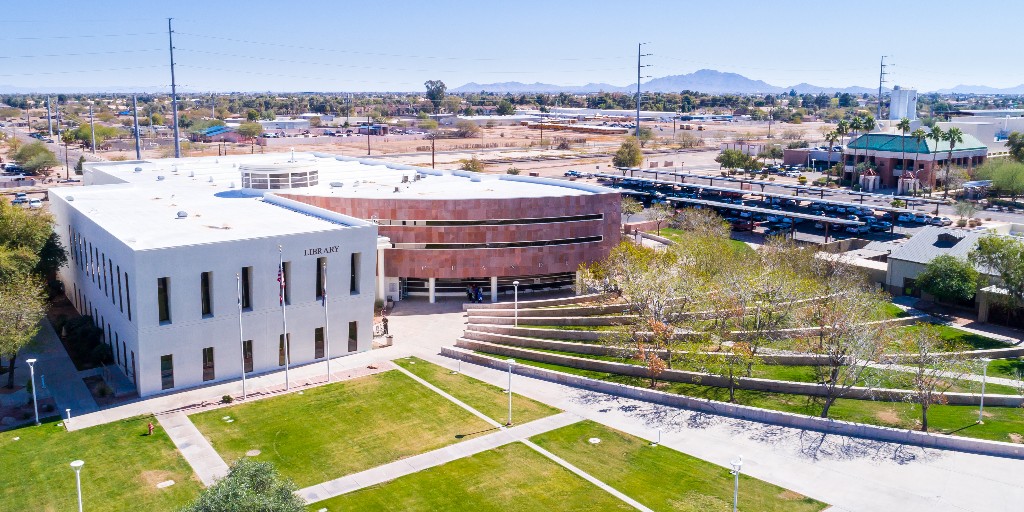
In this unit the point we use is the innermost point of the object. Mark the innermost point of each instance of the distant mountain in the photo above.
(982, 89)
(704, 80)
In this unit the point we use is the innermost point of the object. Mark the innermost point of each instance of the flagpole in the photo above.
(327, 338)
(241, 337)
(284, 317)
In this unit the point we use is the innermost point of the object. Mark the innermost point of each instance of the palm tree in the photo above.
(830, 137)
(904, 126)
(919, 136)
(938, 136)
(954, 136)
(855, 126)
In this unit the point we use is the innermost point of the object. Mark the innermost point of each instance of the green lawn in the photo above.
(662, 478)
(488, 399)
(975, 341)
(892, 311)
(674, 235)
(1007, 368)
(1001, 423)
(508, 478)
(122, 468)
(339, 429)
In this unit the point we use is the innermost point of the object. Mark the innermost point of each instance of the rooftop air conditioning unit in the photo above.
(138, 169)
(160, 178)
(337, 184)
(182, 214)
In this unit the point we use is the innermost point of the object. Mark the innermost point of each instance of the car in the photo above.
(921, 218)
(773, 218)
(905, 217)
(857, 229)
(35, 203)
(840, 209)
(776, 207)
(881, 226)
(940, 221)
(742, 225)
(19, 200)
(573, 174)
(746, 215)
(886, 216)
(852, 217)
(819, 213)
(819, 224)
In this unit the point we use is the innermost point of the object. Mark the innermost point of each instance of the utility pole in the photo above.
(881, 79)
(368, 126)
(135, 114)
(174, 91)
(49, 118)
(639, 55)
(92, 128)
(213, 106)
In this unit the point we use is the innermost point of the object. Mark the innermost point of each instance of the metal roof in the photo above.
(897, 143)
(933, 241)
(754, 209)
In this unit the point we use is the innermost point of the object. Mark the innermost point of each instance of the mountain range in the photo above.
(709, 81)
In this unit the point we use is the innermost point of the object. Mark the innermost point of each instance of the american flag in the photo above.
(280, 280)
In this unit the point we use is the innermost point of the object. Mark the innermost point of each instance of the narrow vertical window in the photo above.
(247, 355)
(353, 336)
(120, 295)
(247, 288)
(353, 280)
(135, 376)
(318, 343)
(205, 284)
(320, 263)
(208, 364)
(113, 298)
(128, 295)
(166, 372)
(162, 298)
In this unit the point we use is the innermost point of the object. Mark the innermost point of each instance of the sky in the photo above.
(396, 45)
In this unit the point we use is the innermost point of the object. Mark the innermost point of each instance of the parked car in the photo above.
(573, 174)
(905, 217)
(921, 218)
(881, 226)
(35, 203)
(857, 229)
(940, 221)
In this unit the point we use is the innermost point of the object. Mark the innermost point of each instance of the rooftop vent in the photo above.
(138, 169)
(70, 198)
(211, 179)
(355, 183)
(182, 214)
(405, 178)
(398, 189)
(160, 178)
(191, 174)
(337, 184)
(232, 185)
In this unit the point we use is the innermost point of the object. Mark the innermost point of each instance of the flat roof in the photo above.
(754, 209)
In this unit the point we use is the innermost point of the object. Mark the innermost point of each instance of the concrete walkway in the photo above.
(399, 468)
(63, 381)
(586, 476)
(205, 461)
(451, 398)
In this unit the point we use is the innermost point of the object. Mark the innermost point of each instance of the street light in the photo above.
(32, 376)
(737, 465)
(984, 376)
(510, 363)
(515, 295)
(77, 466)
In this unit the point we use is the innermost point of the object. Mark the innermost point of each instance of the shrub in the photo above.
(226, 399)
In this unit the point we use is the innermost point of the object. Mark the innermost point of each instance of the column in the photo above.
(430, 287)
(494, 288)
(381, 292)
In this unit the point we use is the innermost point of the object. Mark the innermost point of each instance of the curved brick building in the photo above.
(451, 229)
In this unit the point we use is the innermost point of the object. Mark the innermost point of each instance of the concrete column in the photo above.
(381, 292)
(494, 288)
(430, 287)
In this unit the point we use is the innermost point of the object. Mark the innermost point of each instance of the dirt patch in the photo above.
(1016, 438)
(888, 416)
(154, 476)
(790, 495)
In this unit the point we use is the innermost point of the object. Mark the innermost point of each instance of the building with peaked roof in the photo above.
(909, 259)
(896, 157)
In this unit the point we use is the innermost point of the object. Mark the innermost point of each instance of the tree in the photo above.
(965, 209)
(473, 164)
(1007, 176)
(731, 159)
(80, 164)
(831, 137)
(513, 170)
(505, 108)
(1004, 256)
(22, 307)
(919, 137)
(464, 128)
(903, 126)
(937, 365)
(250, 131)
(659, 213)
(315, 122)
(628, 154)
(250, 486)
(949, 279)
(631, 207)
(954, 136)
(1015, 145)
(52, 256)
(645, 135)
(252, 115)
(702, 223)
(36, 158)
(452, 104)
(435, 92)
(937, 135)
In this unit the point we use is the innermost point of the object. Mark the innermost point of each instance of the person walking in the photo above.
(479, 295)
(469, 293)
(384, 323)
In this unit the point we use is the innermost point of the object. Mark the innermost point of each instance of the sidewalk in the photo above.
(205, 461)
(63, 382)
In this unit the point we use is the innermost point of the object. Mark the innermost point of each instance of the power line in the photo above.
(82, 36)
(81, 71)
(76, 54)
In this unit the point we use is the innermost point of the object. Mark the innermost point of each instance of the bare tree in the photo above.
(937, 366)
(22, 307)
(659, 213)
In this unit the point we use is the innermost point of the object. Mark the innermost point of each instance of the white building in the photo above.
(902, 103)
(155, 248)
(284, 123)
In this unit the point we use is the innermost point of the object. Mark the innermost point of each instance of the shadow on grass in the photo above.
(463, 436)
(961, 429)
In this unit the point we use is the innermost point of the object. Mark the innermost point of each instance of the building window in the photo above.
(247, 288)
(166, 372)
(247, 355)
(318, 343)
(128, 295)
(120, 294)
(135, 376)
(208, 363)
(205, 283)
(281, 349)
(321, 264)
(353, 336)
(163, 292)
(353, 280)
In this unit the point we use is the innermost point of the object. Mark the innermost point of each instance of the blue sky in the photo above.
(262, 45)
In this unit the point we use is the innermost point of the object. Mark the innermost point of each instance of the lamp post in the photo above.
(984, 377)
(77, 466)
(515, 296)
(510, 363)
(32, 376)
(737, 465)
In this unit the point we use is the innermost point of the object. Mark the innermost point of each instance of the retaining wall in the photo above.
(784, 419)
(753, 384)
(576, 299)
(589, 321)
(607, 309)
